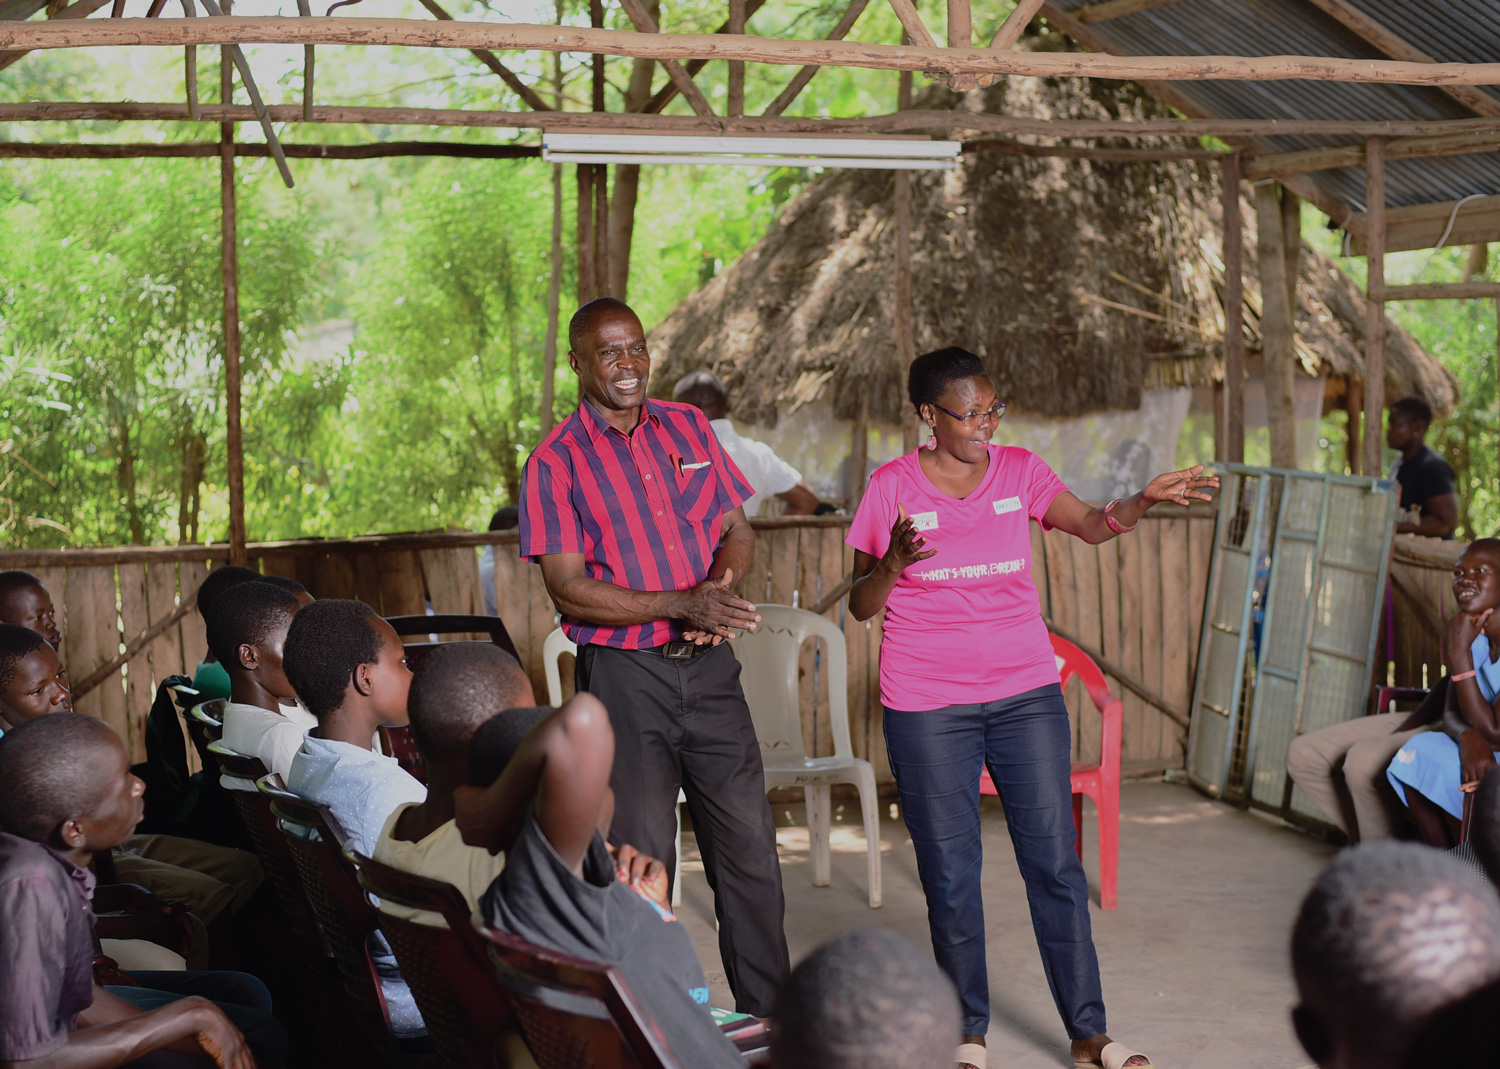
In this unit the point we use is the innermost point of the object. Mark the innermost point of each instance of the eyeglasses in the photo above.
(994, 414)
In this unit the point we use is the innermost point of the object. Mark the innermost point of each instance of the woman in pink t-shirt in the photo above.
(968, 679)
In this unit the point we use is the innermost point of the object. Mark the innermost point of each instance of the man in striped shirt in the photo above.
(634, 513)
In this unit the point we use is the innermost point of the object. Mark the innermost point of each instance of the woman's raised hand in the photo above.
(1180, 487)
(906, 545)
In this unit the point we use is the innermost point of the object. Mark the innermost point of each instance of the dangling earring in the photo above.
(931, 437)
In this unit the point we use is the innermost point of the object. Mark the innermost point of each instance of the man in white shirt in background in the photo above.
(763, 469)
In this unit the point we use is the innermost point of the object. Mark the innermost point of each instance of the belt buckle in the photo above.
(679, 651)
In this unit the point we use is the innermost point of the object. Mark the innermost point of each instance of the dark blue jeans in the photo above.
(242, 997)
(1025, 742)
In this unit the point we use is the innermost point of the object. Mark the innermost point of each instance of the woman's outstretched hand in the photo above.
(1180, 487)
(906, 544)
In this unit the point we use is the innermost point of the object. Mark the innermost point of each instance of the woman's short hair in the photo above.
(932, 373)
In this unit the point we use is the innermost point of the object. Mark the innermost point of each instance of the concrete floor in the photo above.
(1194, 961)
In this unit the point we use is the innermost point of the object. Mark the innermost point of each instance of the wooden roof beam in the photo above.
(248, 80)
(799, 80)
(80, 10)
(1422, 226)
(1114, 9)
(492, 61)
(1015, 24)
(35, 150)
(644, 24)
(1439, 291)
(918, 120)
(411, 33)
(912, 23)
(1377, 35)
(1405, 148)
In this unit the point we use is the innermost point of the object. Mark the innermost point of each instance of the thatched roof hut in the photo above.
(1080, 282)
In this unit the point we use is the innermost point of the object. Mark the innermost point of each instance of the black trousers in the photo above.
(685, 724)
(243, 998)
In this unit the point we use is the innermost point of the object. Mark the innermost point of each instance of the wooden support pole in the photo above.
(926, 56)
(492, 61)
(961, 35)
(1375, 308)
(1308, 161)
(906, 347)
(554, 304)
(916, 30)
(1478, 262)
(1277, 342)
(190, 68)
(587, 286)
(1353, 398)
(230, 268)
(379, 150)
(1234, 313)
(601, 229)
(859, 452)
(309, 65)
(1291, 248)
(799, 81)
(646, 25)
(736, 103)
(1015, 24)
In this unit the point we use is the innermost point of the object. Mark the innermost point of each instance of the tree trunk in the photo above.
(194, 463)
(628, 176)
(554, 302)
(906, 346)
(1277, 337)
(125, 473)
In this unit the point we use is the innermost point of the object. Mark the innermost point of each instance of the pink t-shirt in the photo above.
(965, 626)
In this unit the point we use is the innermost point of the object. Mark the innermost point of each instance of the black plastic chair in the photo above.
(442, 624)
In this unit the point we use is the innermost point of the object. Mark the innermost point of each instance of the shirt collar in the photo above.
(597, 425)
(83, 880)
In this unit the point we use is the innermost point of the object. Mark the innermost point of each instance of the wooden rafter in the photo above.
(911, 22)
(1375, 308)
(492, 61)
(736, 101)
(1421, 226)
(800, 80)
(80, 10)
(1015, 24)
(665, 95)
(33, 150)
(1089, 152)
(1376, 34)
(237, 54)
(915, 121)
(1406, 148)
(1113, 9)
(1463, 291)
(411, 33)
(646, 26)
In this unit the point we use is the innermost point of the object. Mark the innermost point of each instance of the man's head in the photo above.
(866, 999)
(1390, 933)
(454, 690)
(220, 580)
(342, 654)
(291, 586)
(1407, 424)
(247, 631)
(65, 781)
(1476, 577)
(506, 518)
(24, 601)
(607, 351)
(703, 390)
(32, 680)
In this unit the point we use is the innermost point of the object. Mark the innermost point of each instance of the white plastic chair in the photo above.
(769, 658)
(553, 648)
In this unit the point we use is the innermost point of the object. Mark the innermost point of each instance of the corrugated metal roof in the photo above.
(1448, 30)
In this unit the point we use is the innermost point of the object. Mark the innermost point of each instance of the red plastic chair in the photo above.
(1100, 780)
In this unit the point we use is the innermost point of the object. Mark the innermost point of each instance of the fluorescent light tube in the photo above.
(863, 148)
(863, 163)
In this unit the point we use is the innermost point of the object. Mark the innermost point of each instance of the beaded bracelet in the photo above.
(1114, 524)
(1462, 675)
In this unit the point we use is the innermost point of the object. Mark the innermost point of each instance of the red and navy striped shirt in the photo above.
(644, 509)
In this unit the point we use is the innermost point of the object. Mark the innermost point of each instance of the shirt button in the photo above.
(648, 477)
(658, 512)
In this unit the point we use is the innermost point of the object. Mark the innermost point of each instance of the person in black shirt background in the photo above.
(1426, 479)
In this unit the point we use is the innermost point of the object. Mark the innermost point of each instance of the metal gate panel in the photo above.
(1328, 546)
(1218, 688)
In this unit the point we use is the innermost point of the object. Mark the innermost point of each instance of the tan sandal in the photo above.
(1114, 1056)
(970, 1056)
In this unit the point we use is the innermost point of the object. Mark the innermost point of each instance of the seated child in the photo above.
(24, 601)
(1390, 933)
(66, 792)
(454, 690)
(349, 668)
(866, 999)
(211, 677)
(209, 880)
(1432, 771)
(561, 889)
(247, 628)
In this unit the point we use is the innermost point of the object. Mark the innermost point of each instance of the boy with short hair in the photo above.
(211, 677)
(349, 667)
(454, 690)
(32, 680)
(66, 792)
(24, 601)
(560, 887)
(247, 630)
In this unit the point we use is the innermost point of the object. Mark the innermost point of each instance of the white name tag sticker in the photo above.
(924, 521)
(695, 467)
(1007, 504)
